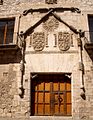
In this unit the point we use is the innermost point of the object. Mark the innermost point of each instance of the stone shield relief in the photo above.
(63, 41)
(38, 41)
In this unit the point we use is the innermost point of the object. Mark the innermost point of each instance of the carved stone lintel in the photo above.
(51, 1)
(38, 41)
(64, 41)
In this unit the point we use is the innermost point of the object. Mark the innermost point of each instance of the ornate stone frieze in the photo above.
(38, 41)
(51, 1)
(63, 41)
(51, 24)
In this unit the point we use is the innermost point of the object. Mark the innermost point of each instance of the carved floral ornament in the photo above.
(51, 24)
(39, 40)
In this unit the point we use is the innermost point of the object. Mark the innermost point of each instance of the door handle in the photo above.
(60, 99)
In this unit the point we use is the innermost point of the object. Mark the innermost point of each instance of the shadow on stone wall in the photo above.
(7, 57)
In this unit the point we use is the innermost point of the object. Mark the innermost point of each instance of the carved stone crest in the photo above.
(38, 41)
(51, 24)
(63, 41)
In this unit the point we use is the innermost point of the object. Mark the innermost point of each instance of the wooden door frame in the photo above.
(33, 75)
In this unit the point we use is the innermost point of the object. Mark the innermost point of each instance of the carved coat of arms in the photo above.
(38, 41)
(63, 41)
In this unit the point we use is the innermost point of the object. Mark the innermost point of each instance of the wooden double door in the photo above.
(51, 95)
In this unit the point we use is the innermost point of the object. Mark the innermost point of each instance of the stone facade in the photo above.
(48, 41)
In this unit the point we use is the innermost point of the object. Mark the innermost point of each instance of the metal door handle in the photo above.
(59, 99)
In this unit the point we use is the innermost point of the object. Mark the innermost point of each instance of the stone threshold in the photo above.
(50, 118)
(38, 118)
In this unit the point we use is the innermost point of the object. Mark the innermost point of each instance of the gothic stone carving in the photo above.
(38, 41)
(64, 41)
(51, 1)
(51, 24)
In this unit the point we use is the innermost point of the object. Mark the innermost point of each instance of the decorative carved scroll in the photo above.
(64, 41)
(38, 41)
(51, 24)
(51, 1)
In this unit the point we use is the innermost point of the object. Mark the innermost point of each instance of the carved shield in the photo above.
(38, 41)
(63, 41)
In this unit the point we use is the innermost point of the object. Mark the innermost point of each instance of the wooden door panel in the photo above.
(68, 86)
(40, 109)
(36, 99)
(62, 108)
(62, 86)
(56, 111)
(35, 88)
(47, 86)
(56, 99)
(55, 86)
(41, 86)
(35, 109)
(51, 95)
(40, 97)
(68, 109)
(47, 97)
(47, 109)
(68, 96)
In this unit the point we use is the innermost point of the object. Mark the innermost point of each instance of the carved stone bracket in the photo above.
(79, 42)
(81, 66)
(51, 1)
